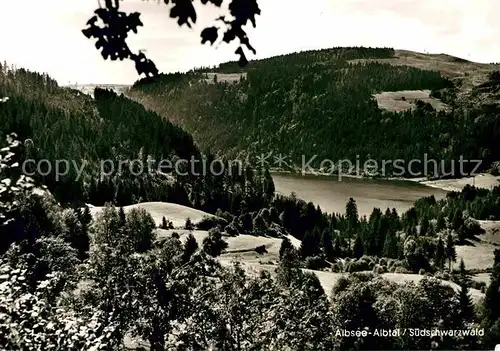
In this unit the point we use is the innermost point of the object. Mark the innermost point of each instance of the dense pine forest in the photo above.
(63, 124)
(318, 103)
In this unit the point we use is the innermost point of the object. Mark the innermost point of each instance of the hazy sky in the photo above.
(45, 35)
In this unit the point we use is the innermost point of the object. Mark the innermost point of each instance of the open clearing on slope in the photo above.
(480, 255)
(225, 77)
(483, 180)
(492, 232)
(241, 247)
(172, 212)
(397, 101)
(464, 74)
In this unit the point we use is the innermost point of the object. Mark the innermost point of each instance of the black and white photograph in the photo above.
(249, 175)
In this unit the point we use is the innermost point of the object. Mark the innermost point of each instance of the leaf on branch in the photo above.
(244, 10)
(100, 43)
(209, 34)
(184, 11)
(87, 32)
(134, 21)
(111, 37)
(92, 21)
(243, 60)
(217, 3)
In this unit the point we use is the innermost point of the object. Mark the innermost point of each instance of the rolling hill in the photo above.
(340, 103)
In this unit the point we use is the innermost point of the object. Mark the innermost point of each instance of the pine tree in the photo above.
(327, 243)
(441, 223)
(411, 230)
(390, 246)
(451, 253)
(351, 214)
(491, 305)
(87, 216)
(395, 220)
(190, 247)
(164, 223)
(431, 232)
(333, 223)
(424, 226)
(310, 244)
(189, 224)
(213, 244)
(464, 298)
(440, 254)
(286, 246)
(457, 221)
(358, 249)
(338, 248)
(122, 217)
(458, 225)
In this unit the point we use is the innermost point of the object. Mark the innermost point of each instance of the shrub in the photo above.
(478, 285)
(315, 262)
(379, 269)
(209, 222)
(336, 268)
(189, 224)
(275, 231)
(261, 249)
(231, 230)
(224, 215)
(175, 235)
(360, 265)
(213, 244)
(341, 285)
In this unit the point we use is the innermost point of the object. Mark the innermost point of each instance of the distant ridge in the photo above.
(89, 88)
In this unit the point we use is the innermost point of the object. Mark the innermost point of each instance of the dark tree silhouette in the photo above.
(116, 25)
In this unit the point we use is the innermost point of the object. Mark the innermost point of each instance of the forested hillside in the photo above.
(318, 103)
(66, 125)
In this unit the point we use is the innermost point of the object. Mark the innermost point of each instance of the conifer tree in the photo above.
(327, 243)
(451, 253)
(424, 226)
(358, 249)
(122, 217)
(440, 254)
(352, 217)
(286, 245)
(390, 246)
(441, 223)
(491, 307)
(190, 247)
(464, 298)
(164, 223)
(309, 245)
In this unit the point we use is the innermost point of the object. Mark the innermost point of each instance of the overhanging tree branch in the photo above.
(116, 25)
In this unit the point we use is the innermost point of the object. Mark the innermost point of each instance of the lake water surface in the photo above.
(331, 194)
